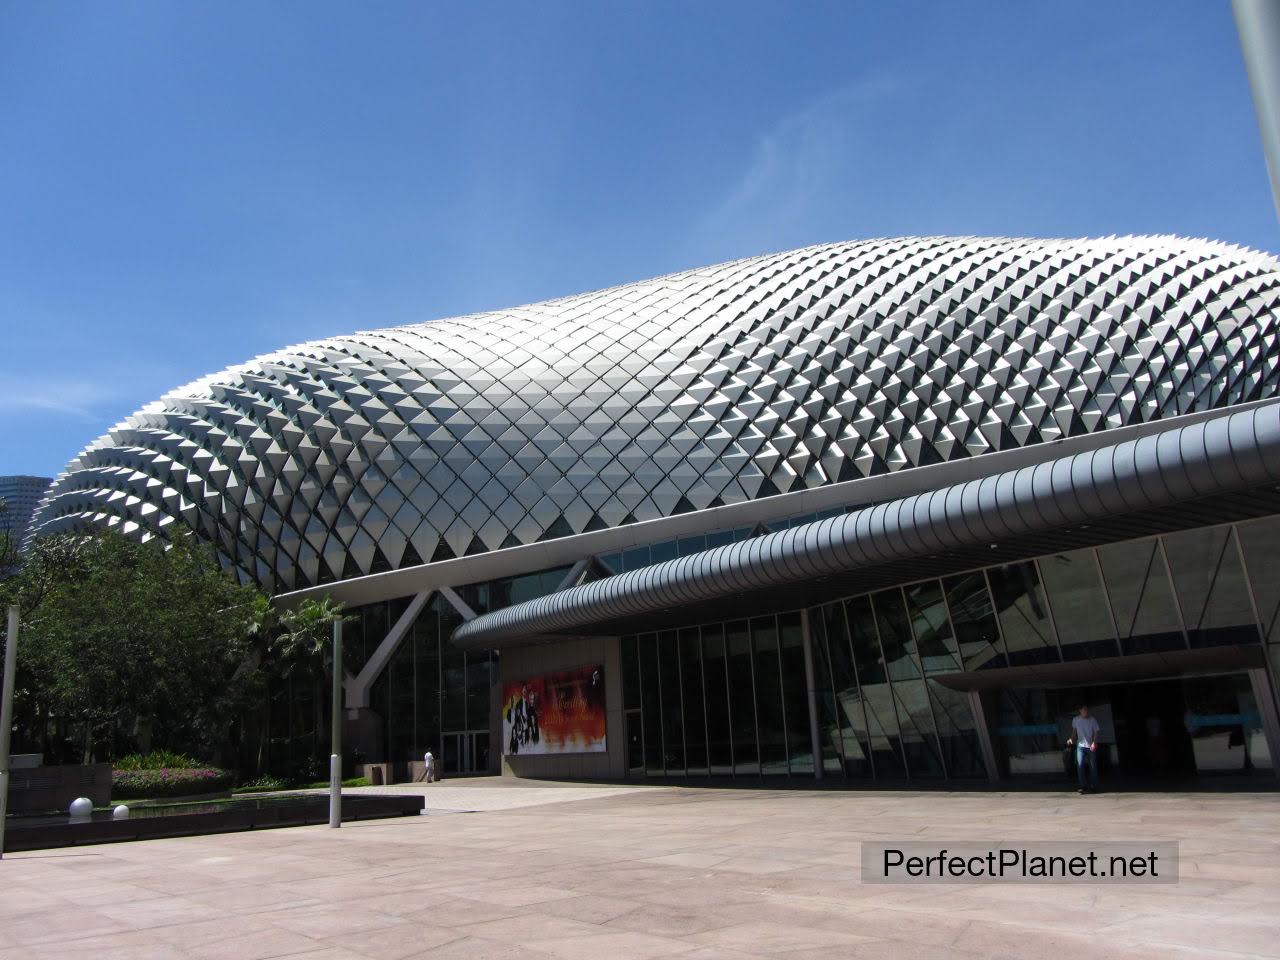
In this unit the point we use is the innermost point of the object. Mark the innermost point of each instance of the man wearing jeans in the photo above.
(1085, 737)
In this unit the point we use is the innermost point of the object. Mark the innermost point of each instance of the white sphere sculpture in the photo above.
(81, 808)
(120, 813)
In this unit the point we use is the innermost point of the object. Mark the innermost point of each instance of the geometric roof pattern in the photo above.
(400, 446)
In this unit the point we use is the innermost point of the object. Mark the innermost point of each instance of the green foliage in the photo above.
(262, 785)
(142, 644)
(157, 760)
(152, 647)
(186, 782)
(304, 638)
(324, 784)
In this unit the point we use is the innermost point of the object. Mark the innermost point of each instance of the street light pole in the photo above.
(1258, 22)
(335, 757)
(6, 715)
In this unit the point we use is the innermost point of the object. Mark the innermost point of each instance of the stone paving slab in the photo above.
(648, 872)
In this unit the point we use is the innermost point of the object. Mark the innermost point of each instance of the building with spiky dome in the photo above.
(884, 509)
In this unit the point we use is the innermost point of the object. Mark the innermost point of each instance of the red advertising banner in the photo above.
(555, 713)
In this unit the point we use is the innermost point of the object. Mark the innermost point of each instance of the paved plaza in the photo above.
(566, 871)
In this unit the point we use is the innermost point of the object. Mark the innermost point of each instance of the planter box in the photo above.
(251, 813)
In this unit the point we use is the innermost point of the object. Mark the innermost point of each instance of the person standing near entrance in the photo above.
(428, 767)
(1085, 732)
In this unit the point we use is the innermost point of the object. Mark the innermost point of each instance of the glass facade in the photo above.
(647, 555)
(720, 700)
(741, 703)
(427, 695)
(732, 699)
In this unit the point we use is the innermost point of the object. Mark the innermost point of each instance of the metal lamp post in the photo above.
(335, 757)
(6, 715)
(1258, 22)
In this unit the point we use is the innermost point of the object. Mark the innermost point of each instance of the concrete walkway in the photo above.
(619, 873)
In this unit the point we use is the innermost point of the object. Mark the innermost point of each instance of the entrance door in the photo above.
(466, 752)
(1155, 731)
(1151, 730)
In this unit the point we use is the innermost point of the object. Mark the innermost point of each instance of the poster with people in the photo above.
(555, 713)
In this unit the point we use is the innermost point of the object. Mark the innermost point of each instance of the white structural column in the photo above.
(457, 603)
(1258, 22)
(358, 686)
(815, 739)
(6, 714)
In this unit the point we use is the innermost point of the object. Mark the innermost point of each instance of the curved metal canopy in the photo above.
(1226, 455)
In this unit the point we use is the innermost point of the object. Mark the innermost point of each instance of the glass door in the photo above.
(466, 752)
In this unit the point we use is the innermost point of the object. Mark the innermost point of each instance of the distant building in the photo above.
(21, 496)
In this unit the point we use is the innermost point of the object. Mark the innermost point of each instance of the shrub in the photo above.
(158, 760)
(262, 784)
(168, 782)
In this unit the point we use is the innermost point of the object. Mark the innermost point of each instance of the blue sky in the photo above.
(186, 185)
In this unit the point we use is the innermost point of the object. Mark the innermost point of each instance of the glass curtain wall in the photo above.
(740, 702)
(427, 689)
(720, 700)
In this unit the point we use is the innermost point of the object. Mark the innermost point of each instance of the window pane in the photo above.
(635, 744)
(742, 699)
(896, 639)
(695, 724)
(426, 640)
(1210, 586)
(630, 674)
(1260, 540)
(380, 704)
(1079, 605)
(453, 674)
(1138, 585)
(855, 742)
(909, 699)
(973, 619)
(719, 733)
(651, 697)
(957, 732)
(934, 640)
(635, 558)
(915, 723)
(795, 695)
(770, 721)
(1225, 725)
(672, 721)
(828, 716)
(1030, 736)
(877, 698)
(1024, 617)
(400, 745)
(453, 668)
(478, 689)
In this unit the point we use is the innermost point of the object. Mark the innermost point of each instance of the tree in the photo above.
(292, 646)
(139, 644)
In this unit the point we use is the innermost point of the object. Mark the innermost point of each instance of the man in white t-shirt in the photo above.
(428, 767)
(1084, 736)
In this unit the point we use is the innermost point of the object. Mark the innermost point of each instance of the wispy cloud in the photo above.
(75, 399)
(799, 164)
